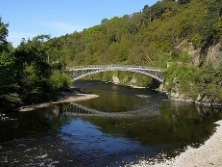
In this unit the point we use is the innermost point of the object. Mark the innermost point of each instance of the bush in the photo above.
(184, 75)
(58, 81)
(208, 79)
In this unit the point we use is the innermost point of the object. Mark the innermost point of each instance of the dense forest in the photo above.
(175, 35)
(25, 74)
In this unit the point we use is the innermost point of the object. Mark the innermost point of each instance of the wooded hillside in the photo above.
(147, 37)
(169, 32)
(185, 34)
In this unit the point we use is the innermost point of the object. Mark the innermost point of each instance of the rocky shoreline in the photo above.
(201, 100)
(66, 97)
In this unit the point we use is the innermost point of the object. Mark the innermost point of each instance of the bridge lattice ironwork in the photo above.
(79, 72)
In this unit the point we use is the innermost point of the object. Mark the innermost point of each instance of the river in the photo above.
(119, 127)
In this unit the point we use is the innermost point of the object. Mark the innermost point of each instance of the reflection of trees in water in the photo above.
(202, 111)
(112, 103)
(33, 124)
(176, 124)
(27, 125)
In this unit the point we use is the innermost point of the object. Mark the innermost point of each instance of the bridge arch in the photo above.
(83, 71)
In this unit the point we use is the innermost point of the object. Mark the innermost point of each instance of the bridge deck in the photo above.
(113, 67)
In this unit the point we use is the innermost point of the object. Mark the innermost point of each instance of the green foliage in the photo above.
(107, 76)
(3, 33)
(143, 38)
(191, 81)
(7, 77)
(220, 93)
(209, 81)
(58, 81)
(181, 77)
(31, 69)
(25, 72)
(150, 38)
(217, 28)
(197, 40)
(126, 79)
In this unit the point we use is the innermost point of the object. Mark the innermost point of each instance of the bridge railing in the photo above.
(112, 66)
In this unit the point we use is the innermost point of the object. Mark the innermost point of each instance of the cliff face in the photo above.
(210, 55)
(214, 54)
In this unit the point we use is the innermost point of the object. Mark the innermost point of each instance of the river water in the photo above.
(119, 127)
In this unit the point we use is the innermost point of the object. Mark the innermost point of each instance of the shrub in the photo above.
(59, 81)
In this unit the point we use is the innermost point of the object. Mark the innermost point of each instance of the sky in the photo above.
(28, 19)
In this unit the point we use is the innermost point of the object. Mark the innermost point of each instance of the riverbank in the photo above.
(209, 154)
(66, 97)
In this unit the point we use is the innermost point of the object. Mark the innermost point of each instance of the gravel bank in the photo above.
(67, 97)
(209, 154)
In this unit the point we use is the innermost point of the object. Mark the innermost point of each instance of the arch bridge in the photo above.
(79, 72)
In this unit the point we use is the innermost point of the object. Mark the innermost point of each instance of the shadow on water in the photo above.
(51, 137)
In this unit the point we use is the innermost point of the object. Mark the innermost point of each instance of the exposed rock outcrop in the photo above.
(207, 101)
(115, 79)
(214, 55)
(133, 80)
(211, 54)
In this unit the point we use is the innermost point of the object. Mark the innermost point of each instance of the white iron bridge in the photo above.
(79, 72)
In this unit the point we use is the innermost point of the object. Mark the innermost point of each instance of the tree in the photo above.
(7, 79)
(147, 14)
(3, 32)
(215, 9)
(32, 68)
(6, 60)
(8, 83)
(217, 29)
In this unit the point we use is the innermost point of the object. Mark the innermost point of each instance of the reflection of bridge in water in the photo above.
(75, 109)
